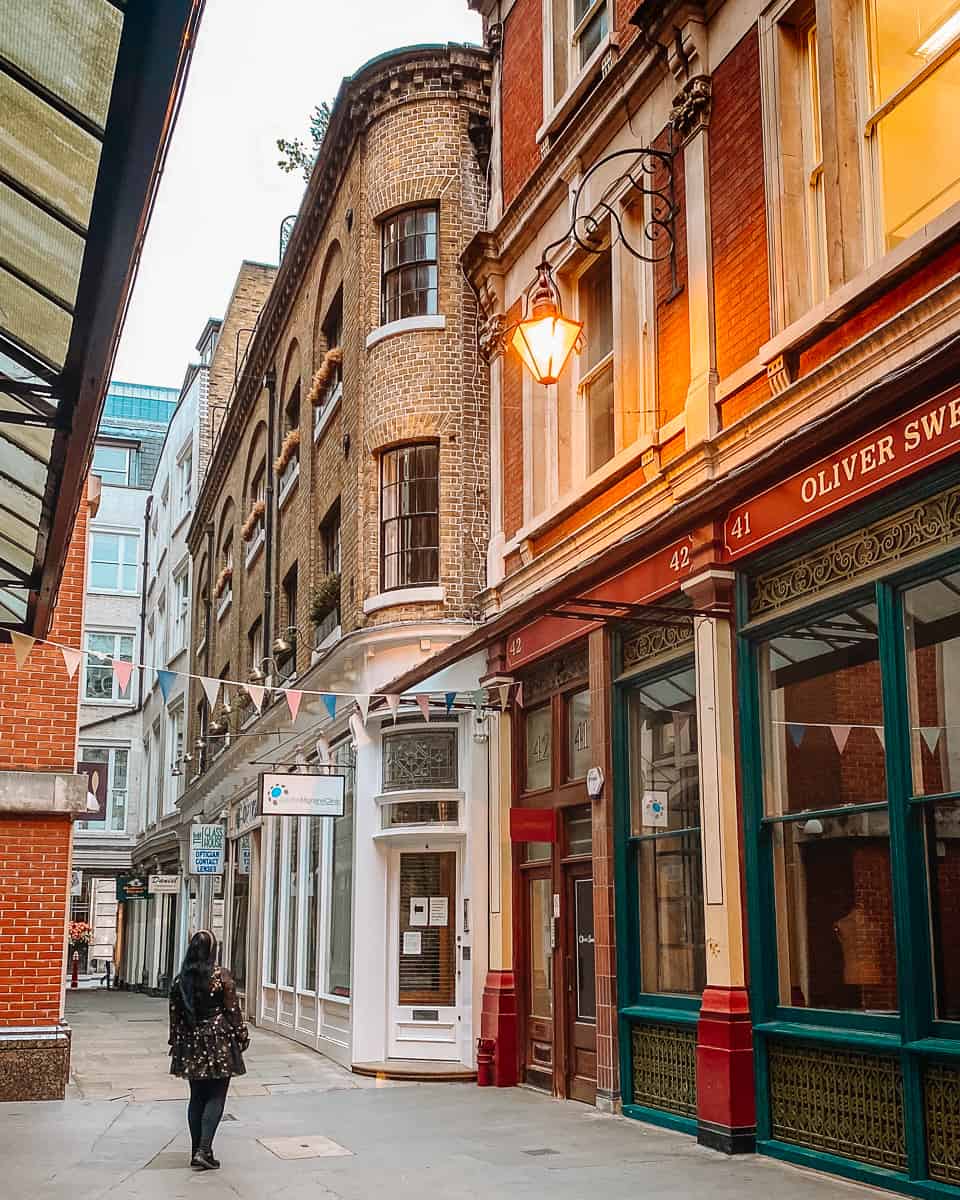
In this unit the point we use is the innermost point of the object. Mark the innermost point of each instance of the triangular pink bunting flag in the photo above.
(211, 688)
(878, 730)
(424, 704)
(293, 701)
(256, 694)
(519, 695)
(363, 707)
(122, 670)
(22, 645)
(840, 735)
(393, 703)
(360, 735)
(71, 659)
(931, 735)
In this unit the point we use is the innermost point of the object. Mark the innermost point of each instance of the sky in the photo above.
(258, 71)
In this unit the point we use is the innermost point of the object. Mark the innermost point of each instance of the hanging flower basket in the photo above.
(326, 597)
(250, 524)
(324, 374)
(289, 447)
(79, 934)
(225, 577)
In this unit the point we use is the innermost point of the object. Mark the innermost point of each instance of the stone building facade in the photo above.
(339, 539)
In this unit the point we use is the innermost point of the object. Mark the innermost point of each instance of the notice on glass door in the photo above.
(412, 943)
(439, 910)
(419, 906)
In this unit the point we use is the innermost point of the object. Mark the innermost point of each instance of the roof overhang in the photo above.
(89, 93)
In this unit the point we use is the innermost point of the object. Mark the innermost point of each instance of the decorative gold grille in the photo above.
(927, 524)
(665, 1068)
(839, 1102)
(651, 640)
(941, 1095)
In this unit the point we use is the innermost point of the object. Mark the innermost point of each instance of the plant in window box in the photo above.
(254, 517)
(225, 577)
(288, 449)
(326, 597)
(325, 375)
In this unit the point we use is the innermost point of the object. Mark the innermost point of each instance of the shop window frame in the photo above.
(913, 1035)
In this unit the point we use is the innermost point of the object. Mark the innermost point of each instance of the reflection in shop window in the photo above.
(239, 911)
(538, 748)
(312, 902)
(273, 900)
(943, 856)
(579, 757)
(291, 886)
(824, 749)
(341, 881)
(665, 820)
(541, 950)
(421, 812)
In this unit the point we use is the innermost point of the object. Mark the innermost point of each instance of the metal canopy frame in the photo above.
(624, 612)
(111, 128)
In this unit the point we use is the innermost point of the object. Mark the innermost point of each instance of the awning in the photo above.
(88, 95)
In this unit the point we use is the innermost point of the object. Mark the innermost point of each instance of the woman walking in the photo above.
(207, 1040)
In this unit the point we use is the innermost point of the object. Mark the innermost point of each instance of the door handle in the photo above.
(569, 973)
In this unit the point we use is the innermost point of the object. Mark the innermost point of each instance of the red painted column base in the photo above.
(498, 1020)
(726, 1096)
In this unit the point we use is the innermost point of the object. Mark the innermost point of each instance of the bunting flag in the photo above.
(360, 735)
(878, 730)
(504, 690)
(478, 697)
(449, 698)
(840, 735)
(931, 735)
(122, 671)
(363, 707)
(520, 695)
(323, 750)
(423, 702)
(293, 701)
(211, 688)
(165, 680)
(256, 693)
(796, 732)
(22, 645)
(331, 703)
(71, 660)
(393, 703)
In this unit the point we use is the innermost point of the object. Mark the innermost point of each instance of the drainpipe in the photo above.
(270, 383)
(143, 592)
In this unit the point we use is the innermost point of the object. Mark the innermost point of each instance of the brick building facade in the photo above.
(339, 539)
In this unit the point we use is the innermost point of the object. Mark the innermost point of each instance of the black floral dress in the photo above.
(212, 1045)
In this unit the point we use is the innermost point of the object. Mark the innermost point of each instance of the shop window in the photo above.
(913, 54)
(273, 902)
(312, 901)
(579, 754)
(341, 881)
(409, 277)
(240, 911)
(427, 970)
(596, 361)
(534, 852)
(410, 516)
(541, 948)
(579, 822)
(932, 616)
(825, 800)
(421, 758)
(538, 748)
(665, 828)
(292, 889)
(421, 812)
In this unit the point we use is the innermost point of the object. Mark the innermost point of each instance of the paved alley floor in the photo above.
(122, 1135)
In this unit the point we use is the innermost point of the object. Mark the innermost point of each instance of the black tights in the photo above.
(207, 1098)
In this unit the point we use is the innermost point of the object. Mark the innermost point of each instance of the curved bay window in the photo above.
(409, 279)
(666, 862)
(410, 516)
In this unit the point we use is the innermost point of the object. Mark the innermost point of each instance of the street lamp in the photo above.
(545, 338)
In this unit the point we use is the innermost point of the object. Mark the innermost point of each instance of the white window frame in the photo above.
(123, 535)
(176, 732)
(578, 75)
(181, 609)
(125, 448)
(185, 481)
(91, 657)
(111, 750)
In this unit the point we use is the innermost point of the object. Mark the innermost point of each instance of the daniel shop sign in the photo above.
(302, 795)
(206, 849)
(924, 435)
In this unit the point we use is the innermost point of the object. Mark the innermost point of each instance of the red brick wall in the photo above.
(38, 732)
(511, 449)
(737, 208)
(34, 873)
(673, 316)
(521, 95)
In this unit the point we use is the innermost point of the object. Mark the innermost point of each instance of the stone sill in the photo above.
(36, 793)
(401, 596)
(407, 325)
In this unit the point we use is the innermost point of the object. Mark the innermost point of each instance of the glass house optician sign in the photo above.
(206, 849)
(302, 795)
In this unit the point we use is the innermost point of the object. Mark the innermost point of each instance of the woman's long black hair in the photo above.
(197, 970)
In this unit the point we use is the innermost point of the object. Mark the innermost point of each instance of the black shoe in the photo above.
(203, 1160)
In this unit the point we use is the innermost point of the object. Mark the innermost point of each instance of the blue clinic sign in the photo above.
(206, 849)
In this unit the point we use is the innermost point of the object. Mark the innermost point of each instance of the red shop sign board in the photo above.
(533, 824)
(919, 438)
(645, 581)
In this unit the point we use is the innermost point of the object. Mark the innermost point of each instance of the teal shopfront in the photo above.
(849, 727)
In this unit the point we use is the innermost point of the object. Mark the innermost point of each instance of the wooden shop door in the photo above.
(580, 984)
(540, 930)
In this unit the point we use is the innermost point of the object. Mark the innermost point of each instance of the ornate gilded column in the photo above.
(726, 1109)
